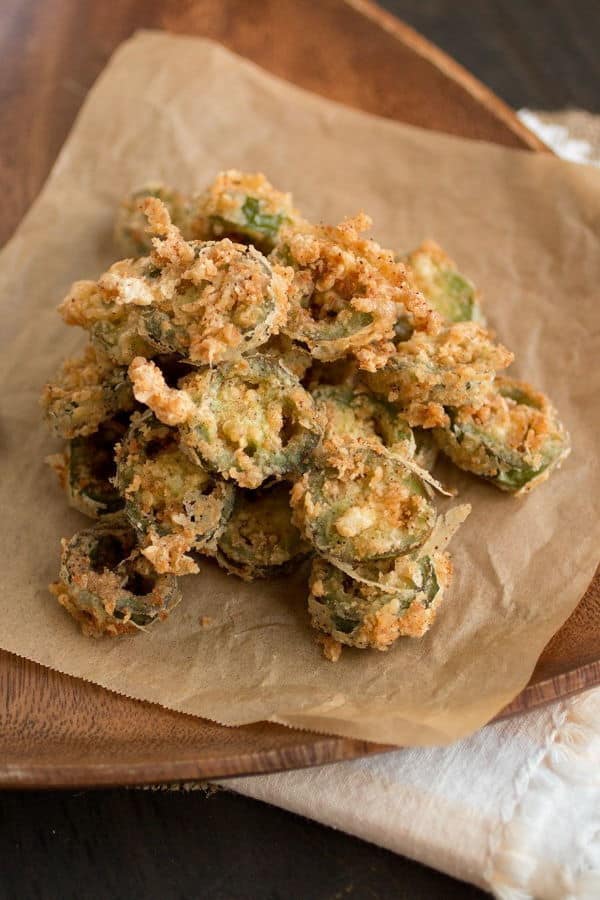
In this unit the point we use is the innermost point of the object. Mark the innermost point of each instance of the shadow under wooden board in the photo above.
(57, 731)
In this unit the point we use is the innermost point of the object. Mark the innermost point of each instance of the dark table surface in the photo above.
(143, 844)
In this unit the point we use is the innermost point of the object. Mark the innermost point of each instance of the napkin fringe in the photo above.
(560, 139)
(563, 775)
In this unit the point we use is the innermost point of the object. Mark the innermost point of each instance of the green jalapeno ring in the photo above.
(372, 604)
(364, 616)
(207, 301)
(174, 504)
(246, 208)
(353, 412)
(347, 292)
(260, 540)
(107, 585)
(229, 302)
(361, 504)
(333, 335)
(253, 420)
(452, 368)
(498, 446)
(90, 468)
(88, 391)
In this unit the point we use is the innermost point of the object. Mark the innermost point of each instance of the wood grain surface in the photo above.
(56, 730)
(355, 53)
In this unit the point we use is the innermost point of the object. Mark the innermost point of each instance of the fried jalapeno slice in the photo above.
(361, 504)
(229, 301)
(366, 616)
(452, 295)
(174, 504)
(107, 585)
(130, 231)
(373, 604)
(253, 419)
(428, 372)
(248, 420)
(347, 292)
(260, 539)
(88, 390)
(87, 467)
(208, 302)
(246, 208)
(514, 440)
(354, 413)
(120, 311)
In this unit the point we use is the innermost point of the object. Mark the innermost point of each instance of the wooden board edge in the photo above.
(550, 690)
(455, 72)
(325, 751)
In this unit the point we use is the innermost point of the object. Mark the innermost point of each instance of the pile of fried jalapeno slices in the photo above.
(262, 390)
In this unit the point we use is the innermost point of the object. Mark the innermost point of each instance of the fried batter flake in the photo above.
(171, 406)
(348, 292)
(430, 372)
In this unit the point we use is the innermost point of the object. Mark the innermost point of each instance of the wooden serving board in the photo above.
(58, 731)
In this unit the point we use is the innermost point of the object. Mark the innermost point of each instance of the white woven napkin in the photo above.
(515, 809)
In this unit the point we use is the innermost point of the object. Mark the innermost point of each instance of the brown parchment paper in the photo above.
(525, 227)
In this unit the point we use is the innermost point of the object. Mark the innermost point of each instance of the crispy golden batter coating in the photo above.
(88, 390)
(130, 232)
(451, 368)
(234, 304)
(451, 294)
(513, 440)
(170, 405)
(348, 292)
(246, 207)
(208, 301)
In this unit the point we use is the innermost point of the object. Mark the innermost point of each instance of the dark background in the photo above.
(141, 844)
(542, 54)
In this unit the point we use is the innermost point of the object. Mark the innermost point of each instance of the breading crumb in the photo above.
(332, 649)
